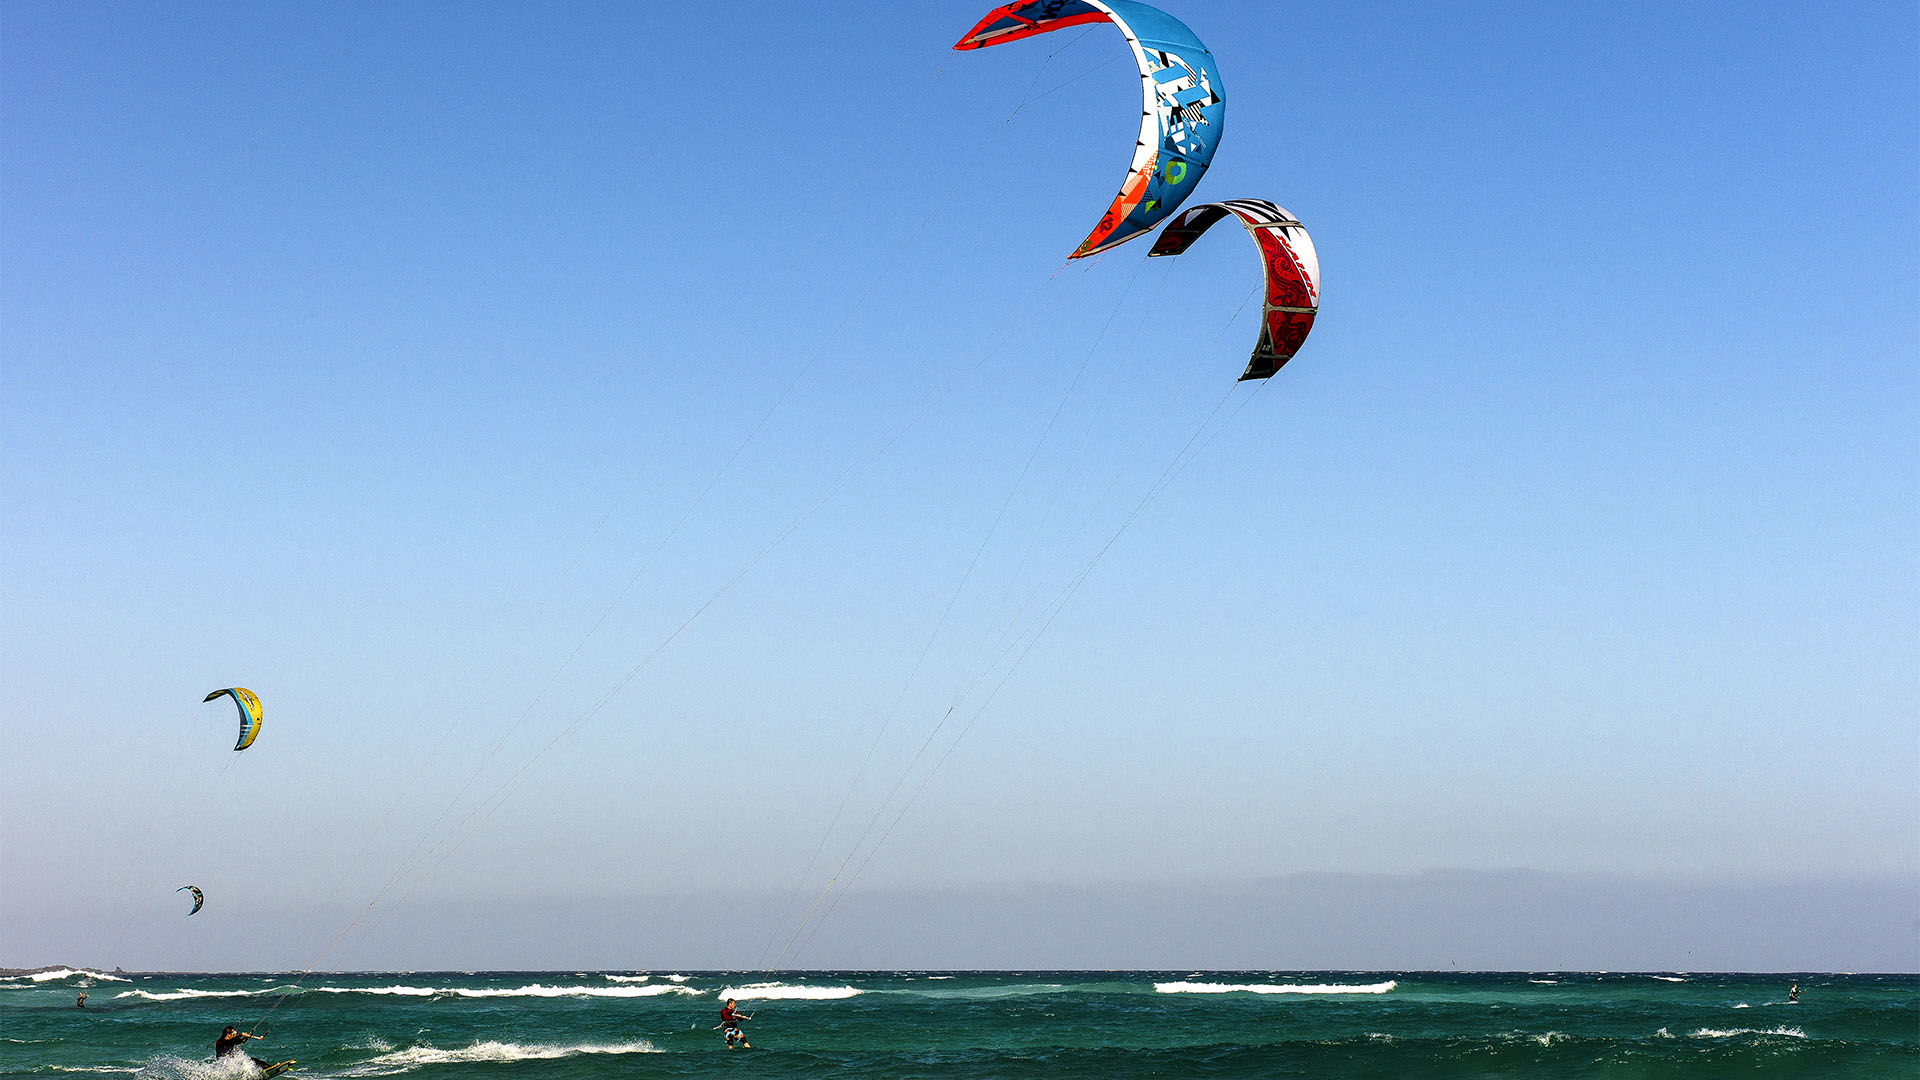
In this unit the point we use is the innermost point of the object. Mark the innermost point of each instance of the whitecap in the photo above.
(1271, 988)
(1544, 982)
(784, 992)
(1728, 1033)
(1668, 978)
(68, 973)
(169, 1067)
(182, 995)
(488, 1051)
(629, 978)
(536, 990)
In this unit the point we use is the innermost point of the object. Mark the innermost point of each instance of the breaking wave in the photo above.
(784, 992)
(1730, 1033)
(184, 995)
(169, 1067)
(535, 990)
(1274, 988)
(487, 1052)
(70, 973)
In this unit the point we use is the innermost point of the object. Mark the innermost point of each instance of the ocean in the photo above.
(906, 1024)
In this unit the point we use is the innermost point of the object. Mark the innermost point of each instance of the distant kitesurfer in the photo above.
(730, 1026)
(229, 1043)
(81, 1003)
(1794, 994)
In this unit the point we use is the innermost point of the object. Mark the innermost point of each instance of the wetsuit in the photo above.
(225, 1045)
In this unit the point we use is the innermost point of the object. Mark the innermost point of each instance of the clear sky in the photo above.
(613, 439)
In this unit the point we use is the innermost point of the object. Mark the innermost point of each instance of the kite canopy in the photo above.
(198, 896)
(1180, 121)
(1293, 272)
(249, 714)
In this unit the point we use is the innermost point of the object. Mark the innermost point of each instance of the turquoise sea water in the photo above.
(970, 1024)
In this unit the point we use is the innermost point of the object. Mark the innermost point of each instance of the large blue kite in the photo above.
(1180, 120)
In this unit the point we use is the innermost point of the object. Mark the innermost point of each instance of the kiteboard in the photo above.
(276, 1070)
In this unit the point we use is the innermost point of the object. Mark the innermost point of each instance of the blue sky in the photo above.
(426, 370)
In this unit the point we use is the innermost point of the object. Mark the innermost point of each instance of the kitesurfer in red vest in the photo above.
(730, 1026)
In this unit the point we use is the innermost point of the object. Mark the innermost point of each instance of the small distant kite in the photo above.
(249, 715)
(1292, 266)
(1180, 121)
(198, 896)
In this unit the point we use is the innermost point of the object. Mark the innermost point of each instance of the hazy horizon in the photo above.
(1430, 921)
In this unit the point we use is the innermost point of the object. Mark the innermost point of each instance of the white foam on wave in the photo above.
(1544, 982)
(532, 990)
(629, 978)
(182, 995)
(1729, 1033)
(488, 1052)
(1669, 978)
(169, 1067)
(1274, 988)
(69, 973)
(784, 992)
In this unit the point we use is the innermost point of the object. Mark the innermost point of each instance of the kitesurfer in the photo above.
(81, 1003)
(730, 1026)
(229, 1043)
(1792, 995)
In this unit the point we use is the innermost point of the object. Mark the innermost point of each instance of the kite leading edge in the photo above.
(1181, 118)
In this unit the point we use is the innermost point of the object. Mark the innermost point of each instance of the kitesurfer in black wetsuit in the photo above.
(229, 1043)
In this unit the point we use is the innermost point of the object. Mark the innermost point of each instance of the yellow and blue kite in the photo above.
(249, 713)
